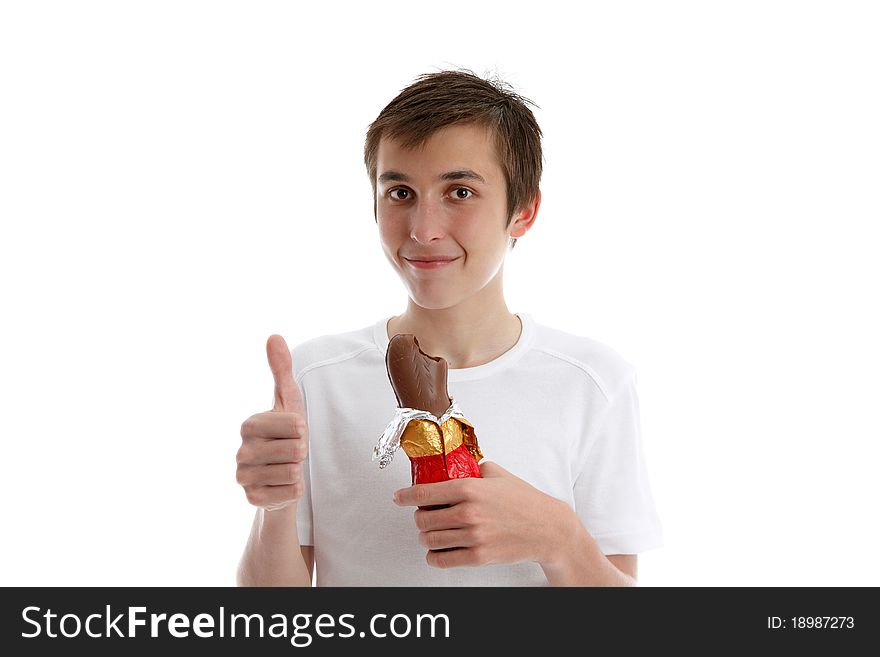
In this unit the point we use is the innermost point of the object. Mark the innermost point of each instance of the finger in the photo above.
(277, 474)
(440, 492)
(274, 424)
(287, 394)
(446, 539)
(264, 452)
(452, 517)
(453, 558)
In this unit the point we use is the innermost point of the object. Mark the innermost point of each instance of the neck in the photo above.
(466, 335)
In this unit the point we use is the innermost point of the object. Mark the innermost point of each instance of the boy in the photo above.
(455, 163)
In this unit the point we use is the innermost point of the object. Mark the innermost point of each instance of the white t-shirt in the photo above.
(557, 410)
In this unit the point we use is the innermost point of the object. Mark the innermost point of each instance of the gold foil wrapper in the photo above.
(421, 433)
(425, 438)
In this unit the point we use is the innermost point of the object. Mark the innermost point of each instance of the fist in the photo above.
(275, 444)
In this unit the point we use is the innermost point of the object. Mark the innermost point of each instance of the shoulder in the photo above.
(585, 358)
(325, 350)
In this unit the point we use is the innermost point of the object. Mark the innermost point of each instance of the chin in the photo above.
(433, 302)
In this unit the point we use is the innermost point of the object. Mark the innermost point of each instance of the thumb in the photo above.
(492, 469)
(287, 394)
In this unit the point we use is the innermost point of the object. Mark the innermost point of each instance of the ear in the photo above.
(523, 222)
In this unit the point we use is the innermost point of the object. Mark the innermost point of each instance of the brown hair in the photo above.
(438, 100)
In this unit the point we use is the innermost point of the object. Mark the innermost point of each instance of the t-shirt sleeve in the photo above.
(612, 493)
(304, 523)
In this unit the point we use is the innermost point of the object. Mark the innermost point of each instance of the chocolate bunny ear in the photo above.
(418, 380)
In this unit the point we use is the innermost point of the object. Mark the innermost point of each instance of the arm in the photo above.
(625, 563)
(576, 560)
(273, 555)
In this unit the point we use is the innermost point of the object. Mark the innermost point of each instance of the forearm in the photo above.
(576, 559)
(273, 556)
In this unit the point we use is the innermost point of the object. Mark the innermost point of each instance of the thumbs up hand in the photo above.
(274, 444)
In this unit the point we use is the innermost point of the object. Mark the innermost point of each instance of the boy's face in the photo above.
(441, 209)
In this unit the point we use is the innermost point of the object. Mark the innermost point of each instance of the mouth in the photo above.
(431, 264)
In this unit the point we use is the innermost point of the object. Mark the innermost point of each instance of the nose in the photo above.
(427, 221)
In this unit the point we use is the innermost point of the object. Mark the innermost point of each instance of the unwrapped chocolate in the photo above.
(428, 424)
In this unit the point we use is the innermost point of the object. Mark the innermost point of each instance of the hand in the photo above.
(497, 519)
(274, 444)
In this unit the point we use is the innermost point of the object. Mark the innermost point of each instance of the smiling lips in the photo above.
(437, 262)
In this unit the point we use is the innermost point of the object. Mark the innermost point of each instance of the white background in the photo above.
(179, 180)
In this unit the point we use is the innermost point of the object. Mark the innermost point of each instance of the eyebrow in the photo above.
(460, 174)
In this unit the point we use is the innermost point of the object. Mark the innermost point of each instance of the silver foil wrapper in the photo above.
(389, 442)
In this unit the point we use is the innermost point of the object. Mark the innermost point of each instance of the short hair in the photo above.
(437, 100)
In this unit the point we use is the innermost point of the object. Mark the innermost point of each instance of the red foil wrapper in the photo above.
(439, 452)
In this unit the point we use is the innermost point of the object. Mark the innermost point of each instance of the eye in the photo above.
(395, 190)
(462, 189)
